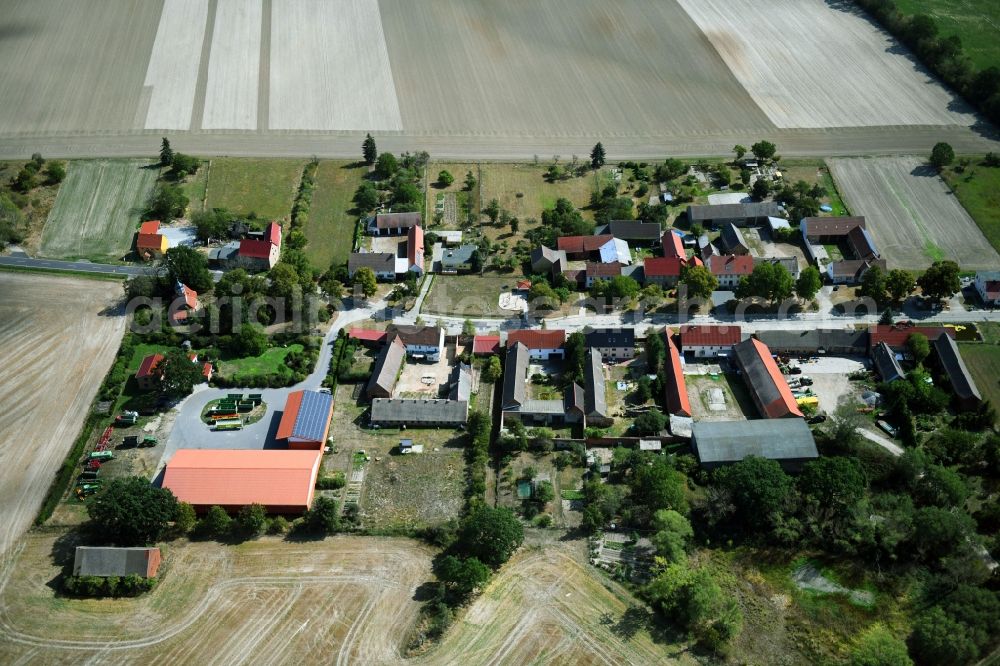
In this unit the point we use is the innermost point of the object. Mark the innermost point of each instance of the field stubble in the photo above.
(912, 215)
(797, 83)
(57, 344)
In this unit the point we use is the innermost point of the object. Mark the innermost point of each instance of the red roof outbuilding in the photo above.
(896, 335)
(550, 339)
(710, 335)
(673, 246)
(484, 345)
(580, 244)
(728, 264)
(675, 387)
(281, 480)
(367, 335)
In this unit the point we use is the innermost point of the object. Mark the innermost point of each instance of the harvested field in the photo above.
(97, 209)
(56, 344)
(560, 68)
(234, 66)
(330, 227)
(344, 598)
(329, 67)
(172, 74)
(830, 67)
(547, 606)
(244, 186)
(912, 214)
(56, 81)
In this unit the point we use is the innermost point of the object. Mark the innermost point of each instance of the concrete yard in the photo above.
(59, 337)
(912, 214)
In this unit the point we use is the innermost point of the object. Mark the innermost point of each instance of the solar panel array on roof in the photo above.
(314, 416)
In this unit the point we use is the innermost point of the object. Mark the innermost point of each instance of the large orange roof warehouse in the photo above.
(278, 479)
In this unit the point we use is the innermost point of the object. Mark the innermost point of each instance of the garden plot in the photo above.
(413, 490)
(56, 344)
(560, 68)
(329, 68)
(97, 209)
(912, 214)
(172, 73)
(234, 66)
(809, 65)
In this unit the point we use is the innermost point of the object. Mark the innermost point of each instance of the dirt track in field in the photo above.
(912, 214)
(55, 348)
(341, 600)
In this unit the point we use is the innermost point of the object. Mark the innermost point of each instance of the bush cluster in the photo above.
(109, 586)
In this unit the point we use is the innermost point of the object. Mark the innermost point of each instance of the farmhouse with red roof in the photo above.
(259, 252)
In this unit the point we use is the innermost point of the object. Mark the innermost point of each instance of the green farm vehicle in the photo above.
(102, 455)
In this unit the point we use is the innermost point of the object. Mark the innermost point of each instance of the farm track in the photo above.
(846, 141)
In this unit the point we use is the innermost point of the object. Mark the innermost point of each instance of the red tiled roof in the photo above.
(289, 415)
(206, 371)
(710, 335)
(276, 478)
(261, 249)
(149, 228)
(523, 285)
(896, 336)
(272, 234)
(578, 244)
(673, 246)
(730, 264)
(148, 365)
(485, 344)
(784, 404)
(675, 387)
(415, 246)
(190, 297)
(992, 289)
(663, 266)
(552, 339)
(367, 335)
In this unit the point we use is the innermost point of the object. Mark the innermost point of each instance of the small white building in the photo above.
(988, 285)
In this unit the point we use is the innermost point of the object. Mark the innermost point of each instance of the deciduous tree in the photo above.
(940, 281)
(490, 534)
(130, 511)
(942, 155)
(364, 278)
(179, 374)
(808, 284)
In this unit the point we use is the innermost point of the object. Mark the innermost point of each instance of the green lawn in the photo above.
(975, 21)
(262, 186)
(196, 187)
(270, 362)
(330, 227)
(978, 190)
(983, 361)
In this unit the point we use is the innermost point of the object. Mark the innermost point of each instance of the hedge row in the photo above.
(110, 586)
